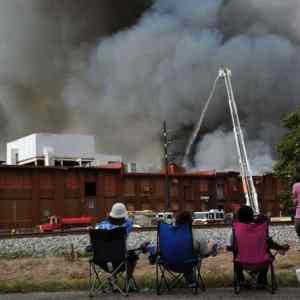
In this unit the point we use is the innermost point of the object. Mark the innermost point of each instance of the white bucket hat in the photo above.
(118, 211)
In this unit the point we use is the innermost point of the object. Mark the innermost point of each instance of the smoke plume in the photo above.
(83, 66)
(38, 42)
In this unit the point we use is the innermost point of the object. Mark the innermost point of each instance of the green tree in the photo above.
(288, 149)
(287, 167)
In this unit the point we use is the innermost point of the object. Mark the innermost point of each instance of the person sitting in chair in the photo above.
(202, 247)
(246, 215)
(118, 217)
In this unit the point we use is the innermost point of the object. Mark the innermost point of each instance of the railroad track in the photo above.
(32, 234)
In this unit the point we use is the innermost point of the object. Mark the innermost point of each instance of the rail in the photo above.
(8, 235)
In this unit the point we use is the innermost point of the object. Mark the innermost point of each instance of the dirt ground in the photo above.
(58, 268)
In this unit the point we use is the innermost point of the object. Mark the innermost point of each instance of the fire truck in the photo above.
(57, 223)
(213, 216)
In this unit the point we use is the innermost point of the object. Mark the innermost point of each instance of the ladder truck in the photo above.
(247, 180)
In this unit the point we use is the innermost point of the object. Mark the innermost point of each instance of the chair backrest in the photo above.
(250, 243)
(108, 246)
(175, 244)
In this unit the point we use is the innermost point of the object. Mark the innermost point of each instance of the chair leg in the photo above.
(161, 279)
(95, 284)
(158, 282)
(202, 284)
(91, 294)
(274, 285)
(236, 281)
(196, 275)
(133, 285)
(200, 279)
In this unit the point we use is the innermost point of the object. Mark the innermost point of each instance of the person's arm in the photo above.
(101, 225)
(295, 198)
(200, 245)
(275, 246)
(229, 243)
(128, 226)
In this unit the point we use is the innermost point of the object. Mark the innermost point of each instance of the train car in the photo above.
(30, 195)
(60, 223)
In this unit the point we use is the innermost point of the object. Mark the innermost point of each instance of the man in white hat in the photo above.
(118, 217)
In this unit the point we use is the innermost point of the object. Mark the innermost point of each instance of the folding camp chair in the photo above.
(251, 256)
(109, 264)
(176, 258)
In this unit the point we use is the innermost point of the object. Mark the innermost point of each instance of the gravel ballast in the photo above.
(59, 245)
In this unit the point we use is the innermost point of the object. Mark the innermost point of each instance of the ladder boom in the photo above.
(247, 180)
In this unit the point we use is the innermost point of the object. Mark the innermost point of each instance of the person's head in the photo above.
(184, 217)
(118, 213)
(245, 214)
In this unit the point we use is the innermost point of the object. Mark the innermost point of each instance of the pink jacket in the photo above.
(296, 193)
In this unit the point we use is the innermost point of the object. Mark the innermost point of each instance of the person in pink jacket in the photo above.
(296, 194)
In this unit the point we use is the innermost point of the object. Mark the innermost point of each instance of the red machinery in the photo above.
(60, 223)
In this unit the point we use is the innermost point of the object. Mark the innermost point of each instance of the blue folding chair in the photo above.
(176, 258)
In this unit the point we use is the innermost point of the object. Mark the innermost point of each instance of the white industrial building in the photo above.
(56, 150)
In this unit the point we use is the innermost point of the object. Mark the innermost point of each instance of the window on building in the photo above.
(90, 189)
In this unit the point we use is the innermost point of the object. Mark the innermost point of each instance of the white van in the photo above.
(211, 216)
(200, 217)
(167, 217)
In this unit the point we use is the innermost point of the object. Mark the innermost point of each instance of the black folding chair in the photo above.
(109, 264)
(176, 258)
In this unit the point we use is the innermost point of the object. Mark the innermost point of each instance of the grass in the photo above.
(25, 286)
(144, 282)
(52, 274)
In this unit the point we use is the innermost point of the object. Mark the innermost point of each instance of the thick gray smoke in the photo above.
(163, 67)
(38, 41)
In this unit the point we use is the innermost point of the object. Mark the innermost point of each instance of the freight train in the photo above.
(30, 195)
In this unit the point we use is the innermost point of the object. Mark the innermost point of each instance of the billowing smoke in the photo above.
(38, 41)
(62, 70)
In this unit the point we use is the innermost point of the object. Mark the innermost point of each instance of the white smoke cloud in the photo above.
(217, 151)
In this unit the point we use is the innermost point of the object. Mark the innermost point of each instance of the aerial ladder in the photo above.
(246, 173)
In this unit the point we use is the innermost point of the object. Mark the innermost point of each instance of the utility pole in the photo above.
(166, 160)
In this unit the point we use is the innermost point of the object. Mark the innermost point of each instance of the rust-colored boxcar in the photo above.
(29, 195)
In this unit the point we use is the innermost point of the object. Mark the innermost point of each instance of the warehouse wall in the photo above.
(29, 195)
